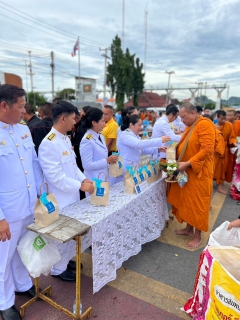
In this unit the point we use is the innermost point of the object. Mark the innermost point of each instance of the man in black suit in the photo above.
(43, 126)
(30, 117)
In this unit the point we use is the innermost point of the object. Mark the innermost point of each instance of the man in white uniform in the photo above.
(58, 162)
(20, 179)
(162, 127)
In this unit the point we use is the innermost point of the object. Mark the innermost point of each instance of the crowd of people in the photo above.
(68, 149)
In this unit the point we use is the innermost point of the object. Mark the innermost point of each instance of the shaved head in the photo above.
(188, 107)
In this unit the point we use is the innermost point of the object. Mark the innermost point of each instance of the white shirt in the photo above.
(20, 173)
(58, 162)
(178, 123)
(162, 128)
(94, 154)
(131, 147)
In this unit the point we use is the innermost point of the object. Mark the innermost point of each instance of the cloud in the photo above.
(195, 38)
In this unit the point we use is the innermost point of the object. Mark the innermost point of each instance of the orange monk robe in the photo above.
(219, 174)
(191, 203)
(232, 157)
(229, 139)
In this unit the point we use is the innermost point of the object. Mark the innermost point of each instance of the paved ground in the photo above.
(151, 285)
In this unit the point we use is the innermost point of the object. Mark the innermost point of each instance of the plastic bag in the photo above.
(38, 254)
(234, 193)
(182, 178)
(223, 237)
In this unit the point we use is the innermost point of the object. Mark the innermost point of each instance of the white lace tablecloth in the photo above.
(119, 229)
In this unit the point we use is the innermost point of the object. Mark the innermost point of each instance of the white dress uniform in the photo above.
(161, 128)
(131, 147)
(20, 179)
(178, 123)
(94, 154)
(58, 163)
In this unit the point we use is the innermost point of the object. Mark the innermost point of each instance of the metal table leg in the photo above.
(48, 290)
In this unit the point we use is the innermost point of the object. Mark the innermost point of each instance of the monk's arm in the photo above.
(206, 136)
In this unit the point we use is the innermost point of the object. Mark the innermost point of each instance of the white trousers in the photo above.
(13, 274)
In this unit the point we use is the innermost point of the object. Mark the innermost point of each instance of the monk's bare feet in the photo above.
(184, 232)
(193, 244)
(220, 190)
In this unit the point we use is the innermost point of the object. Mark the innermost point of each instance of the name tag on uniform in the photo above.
(100, 192)
(142, 187)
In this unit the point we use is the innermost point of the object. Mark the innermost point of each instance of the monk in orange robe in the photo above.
(191, 203)
(230, 141)
(232, 117)
(219, 158)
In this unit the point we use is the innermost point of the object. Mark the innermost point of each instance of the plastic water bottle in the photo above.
(74, 307)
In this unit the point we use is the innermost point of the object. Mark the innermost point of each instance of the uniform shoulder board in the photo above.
(89, 136)
(23, 122)
(51, 136)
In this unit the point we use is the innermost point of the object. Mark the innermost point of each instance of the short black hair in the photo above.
(93, 114)
(208, 116)
(232, 111)
(56, 99)
(86, 108)
(171, 109)
(60, 108)
(199, 109)
(108, 107)
(46, 109)
(29, 109)
(221, 113)
(10, 93)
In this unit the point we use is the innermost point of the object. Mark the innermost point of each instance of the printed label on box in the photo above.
(50, 207)
(100, 192)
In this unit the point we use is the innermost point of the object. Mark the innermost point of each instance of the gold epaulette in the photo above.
(51, 136)
(23, 122)
(89, 136)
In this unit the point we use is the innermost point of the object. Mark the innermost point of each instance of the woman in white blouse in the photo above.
(130, 145)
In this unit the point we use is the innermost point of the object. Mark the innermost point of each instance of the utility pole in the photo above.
(145, 53)
(169, 76)
(105, 70)
(26, 78)
(123, 23)
(30, 70)
(52, 67)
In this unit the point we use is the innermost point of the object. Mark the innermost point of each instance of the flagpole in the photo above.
(79, 99)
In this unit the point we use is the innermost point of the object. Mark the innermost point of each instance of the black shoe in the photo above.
(72, 265)
(30, 292)
(66, 275)
(10, 314)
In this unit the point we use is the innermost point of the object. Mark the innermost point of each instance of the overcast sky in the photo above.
(198, 39)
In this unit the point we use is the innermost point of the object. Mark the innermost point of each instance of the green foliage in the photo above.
(68, 94)
(210, 105)
(125, 75)
(36, 98)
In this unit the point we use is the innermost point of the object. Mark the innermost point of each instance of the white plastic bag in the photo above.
(37, 254)
(223, 237)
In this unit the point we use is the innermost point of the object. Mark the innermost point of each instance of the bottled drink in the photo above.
(74, 307)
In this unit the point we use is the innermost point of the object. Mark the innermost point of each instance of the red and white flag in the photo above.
(75, 48)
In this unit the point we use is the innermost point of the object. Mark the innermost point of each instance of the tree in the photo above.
(68, 94)
(36, 98)
(210, 105)
(125, 74)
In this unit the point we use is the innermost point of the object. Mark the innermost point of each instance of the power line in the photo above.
(44, 24)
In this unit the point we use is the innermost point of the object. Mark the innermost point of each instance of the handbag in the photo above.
(116, 169)
(131, 180)
(46, 208)
(100, 195)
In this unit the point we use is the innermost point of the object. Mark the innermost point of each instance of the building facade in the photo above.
(9, 78)
(85, 89)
